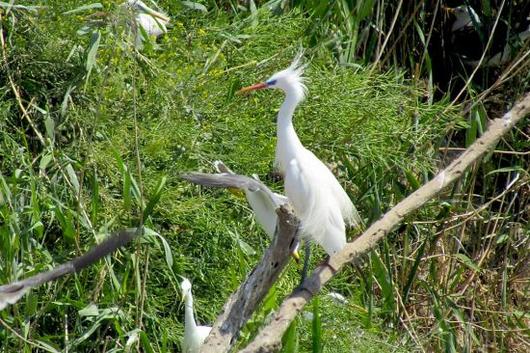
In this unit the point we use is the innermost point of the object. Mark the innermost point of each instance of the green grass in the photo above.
(115, 141)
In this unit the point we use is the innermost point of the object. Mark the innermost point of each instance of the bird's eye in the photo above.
(271, 82)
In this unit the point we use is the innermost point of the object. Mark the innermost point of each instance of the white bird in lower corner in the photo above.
(318, 199)
(194, 335)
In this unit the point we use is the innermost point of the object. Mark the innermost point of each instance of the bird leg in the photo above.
(307, 255)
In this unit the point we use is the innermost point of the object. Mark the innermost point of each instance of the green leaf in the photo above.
(9, 6)
(507, 170)
(167, 249)
(194, 6)
(95, 5)
(411, 178)
(126, 184)
(384, 279)
(89, 310)
(45, 160)
(502, 238)
(365, 8)
(155, 198)
(126, 190)
(290, 339)
(67, 96)
(146, 343)
(49, 124)
(467, 262)
(92, 51)
(73, 178)
(316, 327)
(66, 222)
(46, 346)
(247, 249)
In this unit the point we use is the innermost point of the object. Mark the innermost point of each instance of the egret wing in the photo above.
(307, 189)
(230, 181)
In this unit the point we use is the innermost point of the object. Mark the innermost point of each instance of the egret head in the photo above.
(185, 285)
(289, 80)
(140, 7)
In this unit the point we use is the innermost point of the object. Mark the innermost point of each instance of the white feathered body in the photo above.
(151, 22)
(193, 339)
(151, 25)
(264, 209)
(194, 335)
(318, 199)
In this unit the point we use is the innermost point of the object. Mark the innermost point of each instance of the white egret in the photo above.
(12, 292)
(151, 22)
(263, 202)
(194, 335)
(318, 199)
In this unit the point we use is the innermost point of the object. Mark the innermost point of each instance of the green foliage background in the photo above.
(108, 130)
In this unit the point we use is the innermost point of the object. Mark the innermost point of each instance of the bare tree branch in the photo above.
(242, 304)
(12, 292)
(269, 338)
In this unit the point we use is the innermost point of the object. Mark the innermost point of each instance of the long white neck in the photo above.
(189, 318)
(288, 142)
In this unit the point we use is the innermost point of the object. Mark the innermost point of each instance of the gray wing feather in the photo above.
(232, 181)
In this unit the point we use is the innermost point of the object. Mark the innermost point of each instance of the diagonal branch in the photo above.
(269, 338)
(12, 292)
(242, 304)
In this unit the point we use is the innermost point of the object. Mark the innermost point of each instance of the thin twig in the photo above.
(382, 49)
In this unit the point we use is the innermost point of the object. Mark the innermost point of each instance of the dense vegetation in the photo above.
(95, 132)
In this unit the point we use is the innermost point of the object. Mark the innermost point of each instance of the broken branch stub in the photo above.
(242, 304)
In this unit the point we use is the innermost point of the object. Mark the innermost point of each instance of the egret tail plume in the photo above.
(12, 292)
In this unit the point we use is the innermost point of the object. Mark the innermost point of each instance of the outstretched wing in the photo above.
(237, 181)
